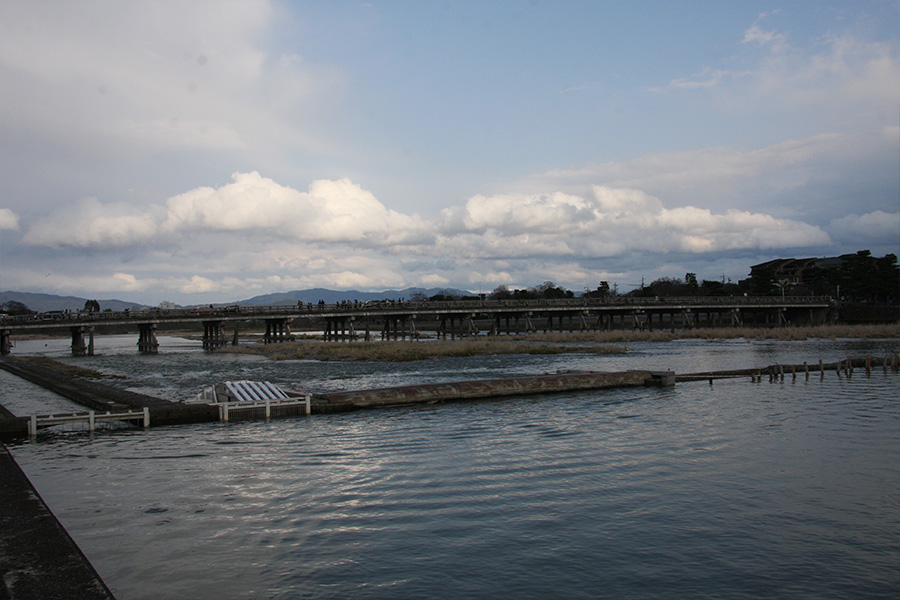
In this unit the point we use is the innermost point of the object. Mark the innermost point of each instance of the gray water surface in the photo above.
(788, 489)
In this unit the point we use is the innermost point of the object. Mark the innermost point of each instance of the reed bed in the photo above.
(397, 351)
(597, 342)
(891, 330)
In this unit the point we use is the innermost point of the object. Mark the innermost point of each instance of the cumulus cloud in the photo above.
(515, 213)
(90, 224)
(720, 178)
(610, 222)
(8, 219)
(255, 235)
(876, 227)
(330, 211)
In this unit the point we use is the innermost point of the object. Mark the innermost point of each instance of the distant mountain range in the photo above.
(331, 296)
(48, 302)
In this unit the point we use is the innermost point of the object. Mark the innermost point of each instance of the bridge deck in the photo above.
(434, 310)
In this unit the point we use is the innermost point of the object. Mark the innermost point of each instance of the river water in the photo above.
(784, 489)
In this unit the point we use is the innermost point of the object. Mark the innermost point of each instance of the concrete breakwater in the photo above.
(488, 388)
(102, 397)
(95, 396)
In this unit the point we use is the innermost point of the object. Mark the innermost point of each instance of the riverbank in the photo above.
(38, 558)
(593, 342)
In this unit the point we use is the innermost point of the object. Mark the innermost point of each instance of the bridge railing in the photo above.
(58, 318)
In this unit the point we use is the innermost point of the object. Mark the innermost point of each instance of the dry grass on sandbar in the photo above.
(396, 351)
(596, 342)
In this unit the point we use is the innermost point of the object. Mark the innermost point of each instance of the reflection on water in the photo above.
(735, 490)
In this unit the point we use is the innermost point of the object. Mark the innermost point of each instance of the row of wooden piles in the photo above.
(843, 368)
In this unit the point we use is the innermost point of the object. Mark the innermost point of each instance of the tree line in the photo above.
(859, 278)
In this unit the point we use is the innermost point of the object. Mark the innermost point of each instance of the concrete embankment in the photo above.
(38, 558)
(97, 396)
(101, 397)
(487, 388)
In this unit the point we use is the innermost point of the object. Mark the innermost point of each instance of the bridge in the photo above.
(402, 320)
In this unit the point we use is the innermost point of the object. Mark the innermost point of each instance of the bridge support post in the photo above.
(277, 330)
(79, 348)
(213, 335)
(529, 326)
(5, 342)
(147, 343)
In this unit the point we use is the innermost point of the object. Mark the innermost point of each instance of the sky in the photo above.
(211, 151)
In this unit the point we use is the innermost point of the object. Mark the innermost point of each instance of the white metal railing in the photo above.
(227, 409)
(90, 417)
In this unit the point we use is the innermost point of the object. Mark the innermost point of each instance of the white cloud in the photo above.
(756, 34)
(8, 219)
(199, 285)
(877, 227)
(846, 79)
(516, 213)
(609, 222)
(330, 211)
(155, 75)
(90, 224)
(721, 178)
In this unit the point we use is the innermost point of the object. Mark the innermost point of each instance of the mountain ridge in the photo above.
(49, 302)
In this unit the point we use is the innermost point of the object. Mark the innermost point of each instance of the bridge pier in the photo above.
(277, 330)
(398, 327)
(5, 342)
(340, 329)
(466, 326)
(79, 348)
(214, 335)
(147, 343)
(636, 322)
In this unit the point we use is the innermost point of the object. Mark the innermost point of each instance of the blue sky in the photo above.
(212, 151)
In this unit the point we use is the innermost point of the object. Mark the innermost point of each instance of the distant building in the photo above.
(858, 277)
(793, 270)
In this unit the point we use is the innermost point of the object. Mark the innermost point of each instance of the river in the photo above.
(737, 489)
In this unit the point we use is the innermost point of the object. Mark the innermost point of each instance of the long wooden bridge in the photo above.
(402, 320)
